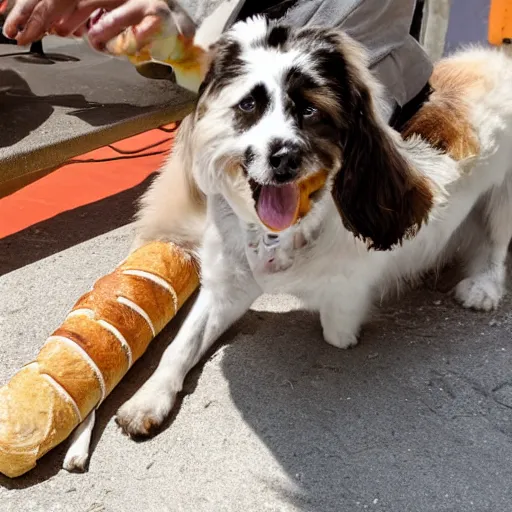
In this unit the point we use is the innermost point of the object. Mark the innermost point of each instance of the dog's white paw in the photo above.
(480, 292)
(338, 337)
(75, 461)
(145, 412)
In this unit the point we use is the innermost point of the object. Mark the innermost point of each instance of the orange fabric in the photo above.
(85, 180)
(500, 21)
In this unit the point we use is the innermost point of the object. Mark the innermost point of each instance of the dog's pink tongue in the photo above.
(277, 206)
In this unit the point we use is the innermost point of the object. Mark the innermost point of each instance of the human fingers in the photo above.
(114, 22)
(43, 15)
(84, 27)
(84, 10)
(18, 17)
(146, 16)
(148, 27)
(5, 5)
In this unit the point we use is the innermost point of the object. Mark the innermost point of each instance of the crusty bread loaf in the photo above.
(165, 47)
(108, 329)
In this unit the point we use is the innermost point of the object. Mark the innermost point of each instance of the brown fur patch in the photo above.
(197, 198)
(192, 194)
(322, 98)
(444, 120)
(379, 196)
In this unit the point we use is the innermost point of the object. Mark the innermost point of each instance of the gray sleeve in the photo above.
(382, 26)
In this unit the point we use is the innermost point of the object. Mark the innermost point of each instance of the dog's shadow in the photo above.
(351, 427)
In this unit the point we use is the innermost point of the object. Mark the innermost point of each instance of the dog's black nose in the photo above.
(285, 161)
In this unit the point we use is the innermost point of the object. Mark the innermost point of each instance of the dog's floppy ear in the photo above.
(380, 197)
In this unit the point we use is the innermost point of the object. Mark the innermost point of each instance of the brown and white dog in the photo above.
(276, 106)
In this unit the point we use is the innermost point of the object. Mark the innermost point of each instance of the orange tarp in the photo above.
(500, 22)
(85, 179)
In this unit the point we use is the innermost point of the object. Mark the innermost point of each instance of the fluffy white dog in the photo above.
(277, 106)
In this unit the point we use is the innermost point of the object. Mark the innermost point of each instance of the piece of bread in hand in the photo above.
(108, 329)
(179, 43)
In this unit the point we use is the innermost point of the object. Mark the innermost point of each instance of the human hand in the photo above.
(108, 21)
(102, 20)
(29, 20)
(4, 5)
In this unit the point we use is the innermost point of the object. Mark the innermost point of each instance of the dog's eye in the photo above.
(309, 111)
(248, 104)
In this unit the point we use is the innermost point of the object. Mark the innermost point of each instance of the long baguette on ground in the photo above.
(108, 329)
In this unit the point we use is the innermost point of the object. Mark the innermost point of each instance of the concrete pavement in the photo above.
(418, 417)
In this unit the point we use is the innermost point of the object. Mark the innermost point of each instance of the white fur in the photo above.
(318, 260)
(78, 452)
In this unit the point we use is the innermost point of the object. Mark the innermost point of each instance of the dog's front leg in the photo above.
(343, 309)
(77, 455)
(220, 303)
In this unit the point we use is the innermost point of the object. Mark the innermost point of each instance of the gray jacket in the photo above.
(382, 26)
